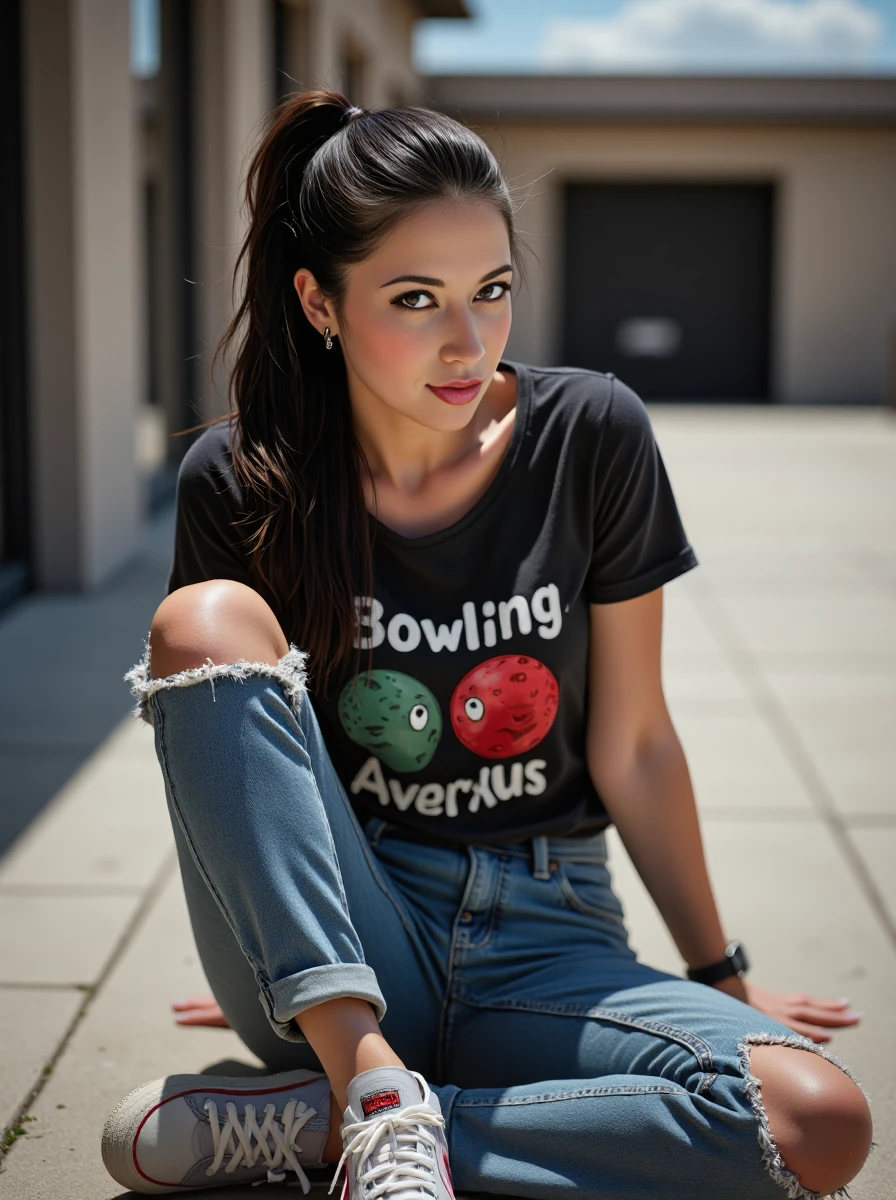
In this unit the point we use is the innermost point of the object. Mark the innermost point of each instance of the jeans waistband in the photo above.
(540, 851)
(544, 852)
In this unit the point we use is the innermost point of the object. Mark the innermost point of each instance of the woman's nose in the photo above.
(464, 343)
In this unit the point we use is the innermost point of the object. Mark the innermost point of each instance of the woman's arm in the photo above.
(637, 764)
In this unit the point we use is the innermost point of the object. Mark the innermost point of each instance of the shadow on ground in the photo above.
(61, 687)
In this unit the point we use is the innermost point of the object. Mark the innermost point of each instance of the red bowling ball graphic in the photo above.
(505, 706)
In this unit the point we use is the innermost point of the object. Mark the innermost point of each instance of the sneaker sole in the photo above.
(123, 1123)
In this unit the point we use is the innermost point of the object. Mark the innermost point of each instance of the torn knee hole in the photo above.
(789, 1180)
(289, 672)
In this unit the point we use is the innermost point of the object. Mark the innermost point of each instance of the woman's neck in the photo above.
(425, 480)
(403, 453)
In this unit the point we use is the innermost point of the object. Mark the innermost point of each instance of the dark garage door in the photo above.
(669, 287)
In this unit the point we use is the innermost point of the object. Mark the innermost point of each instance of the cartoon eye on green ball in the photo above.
(394, 716)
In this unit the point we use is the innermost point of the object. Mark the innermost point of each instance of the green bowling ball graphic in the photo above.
(394, 716)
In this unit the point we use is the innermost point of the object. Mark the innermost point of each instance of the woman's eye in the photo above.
(413, 300)
(496, 290)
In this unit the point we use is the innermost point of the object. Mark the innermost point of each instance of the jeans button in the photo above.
(467, 917)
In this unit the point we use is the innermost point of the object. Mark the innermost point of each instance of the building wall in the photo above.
(379, 33)
(233, 90)
(82, 295)
(834, 309)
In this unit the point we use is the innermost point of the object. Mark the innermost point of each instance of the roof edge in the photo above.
(444, 8)
(837, 99)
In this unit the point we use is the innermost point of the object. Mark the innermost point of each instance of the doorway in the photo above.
(669, 286)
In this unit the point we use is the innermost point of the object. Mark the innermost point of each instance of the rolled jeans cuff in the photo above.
(286, 998)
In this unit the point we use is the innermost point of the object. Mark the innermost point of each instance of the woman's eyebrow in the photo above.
(426, 279)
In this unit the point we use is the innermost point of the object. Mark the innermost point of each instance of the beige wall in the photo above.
(83, 274)
(379, 29)
(835, 255)
(233, 90)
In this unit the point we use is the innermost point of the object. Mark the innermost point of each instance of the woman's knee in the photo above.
(817, 1115)
(218, 619)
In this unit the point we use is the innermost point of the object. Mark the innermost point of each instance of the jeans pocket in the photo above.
(587, 888)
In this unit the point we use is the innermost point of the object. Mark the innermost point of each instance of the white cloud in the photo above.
(722, 34)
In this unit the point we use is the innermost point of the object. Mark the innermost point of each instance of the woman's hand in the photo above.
(199, 1010)
(799, 1011)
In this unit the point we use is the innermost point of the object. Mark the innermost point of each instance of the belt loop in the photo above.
(540, 866)
(374, 830)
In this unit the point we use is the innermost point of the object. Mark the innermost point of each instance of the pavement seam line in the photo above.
(71, 891)
(17, 985)
(782, 729)
(153, 891)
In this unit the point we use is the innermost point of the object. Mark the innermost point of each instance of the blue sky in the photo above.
(774, 36)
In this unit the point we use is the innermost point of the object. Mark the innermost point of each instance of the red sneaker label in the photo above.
(446, 1174)
(376, 1102)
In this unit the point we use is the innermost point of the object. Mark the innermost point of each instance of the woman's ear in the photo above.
(316, 306)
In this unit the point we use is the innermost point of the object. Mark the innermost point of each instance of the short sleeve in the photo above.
(639, 540)
(208, 542)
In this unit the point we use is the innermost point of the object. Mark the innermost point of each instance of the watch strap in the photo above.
(735, 962)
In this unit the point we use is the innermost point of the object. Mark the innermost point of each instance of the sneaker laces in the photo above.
(396, 1168)
(235, 1139)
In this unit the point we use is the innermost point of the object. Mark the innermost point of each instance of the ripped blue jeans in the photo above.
(565, 1067)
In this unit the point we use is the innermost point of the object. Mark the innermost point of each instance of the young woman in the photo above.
(396, 871)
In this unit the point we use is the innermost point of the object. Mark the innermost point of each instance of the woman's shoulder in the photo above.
(588, 400)
(212, 449)
(209, 542)
(205, 475)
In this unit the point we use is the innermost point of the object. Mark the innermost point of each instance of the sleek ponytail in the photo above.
(328, 183)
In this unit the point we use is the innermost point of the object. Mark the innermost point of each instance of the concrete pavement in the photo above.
(780, 666)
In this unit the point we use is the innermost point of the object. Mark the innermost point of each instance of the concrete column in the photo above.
(234, 90)
(83, 294)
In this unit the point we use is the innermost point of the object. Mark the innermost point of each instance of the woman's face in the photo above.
(431, 307)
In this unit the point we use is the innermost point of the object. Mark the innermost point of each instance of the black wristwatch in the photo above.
(735, 962)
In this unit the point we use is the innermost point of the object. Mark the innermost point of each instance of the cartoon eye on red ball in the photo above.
(505, 706)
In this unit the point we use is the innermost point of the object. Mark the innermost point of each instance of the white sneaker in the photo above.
(199, 1131)
(394, 1139)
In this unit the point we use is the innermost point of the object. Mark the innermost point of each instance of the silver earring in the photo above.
(328, 341)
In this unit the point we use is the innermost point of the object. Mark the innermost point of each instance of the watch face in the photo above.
(738, 958)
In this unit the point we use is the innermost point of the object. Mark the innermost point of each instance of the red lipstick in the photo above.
(459, 391)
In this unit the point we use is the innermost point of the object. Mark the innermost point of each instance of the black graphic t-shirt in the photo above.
(470, 726)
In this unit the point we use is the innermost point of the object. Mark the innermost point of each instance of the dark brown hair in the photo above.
(326, 186)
